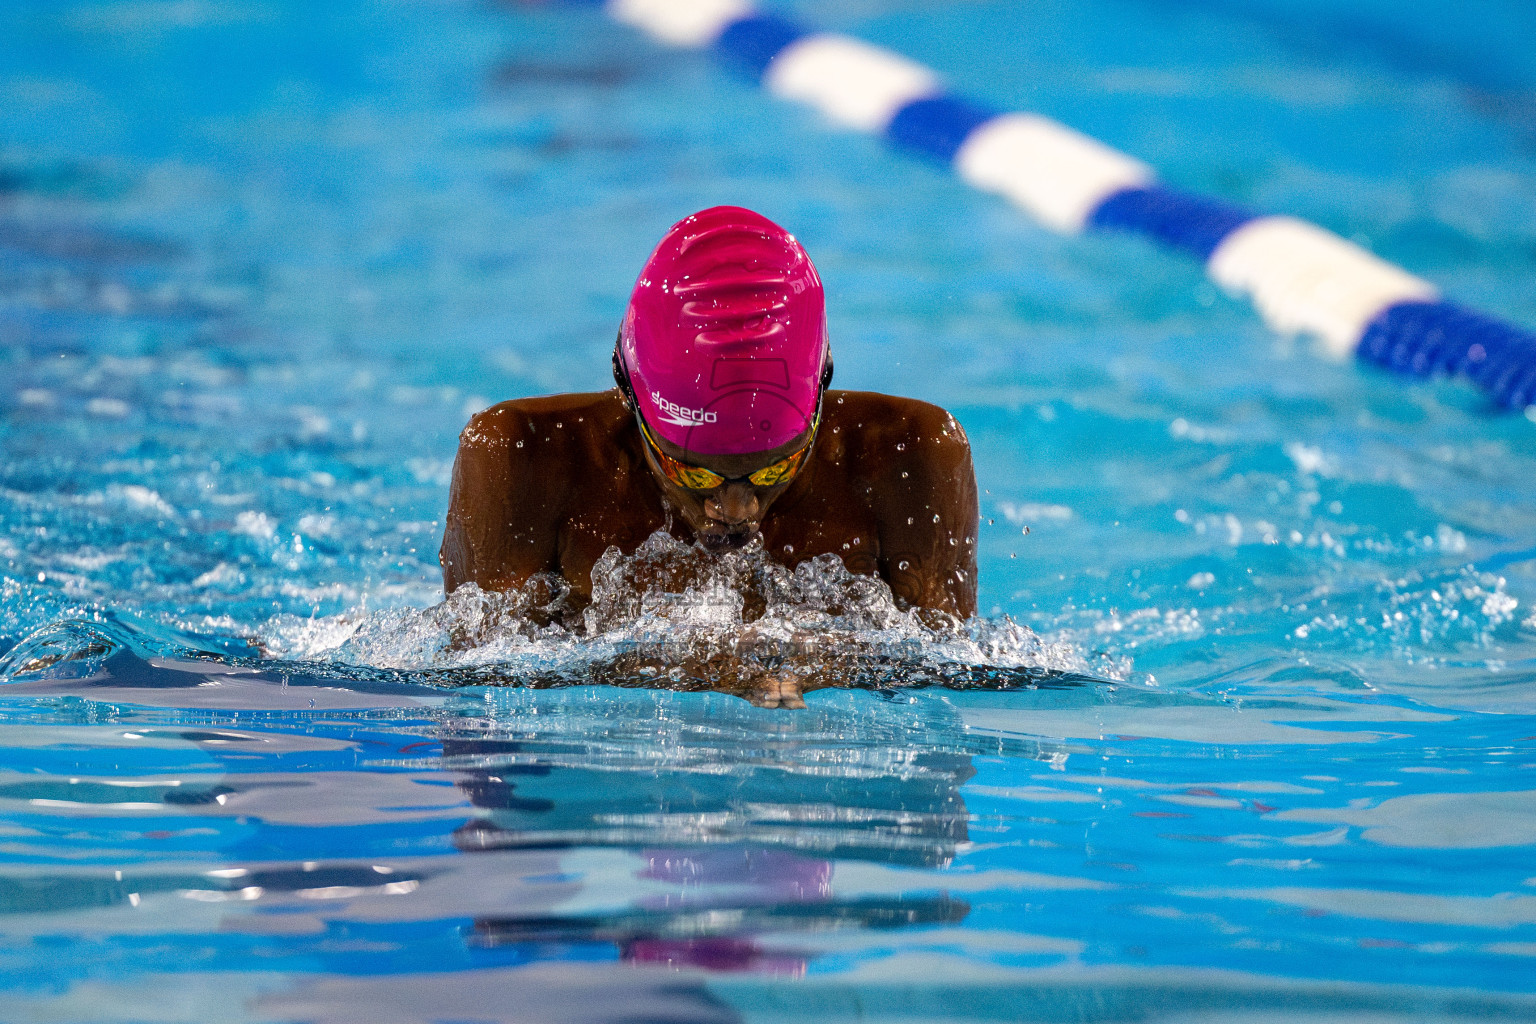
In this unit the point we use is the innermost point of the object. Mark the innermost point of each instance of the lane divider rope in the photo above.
(1302, 278)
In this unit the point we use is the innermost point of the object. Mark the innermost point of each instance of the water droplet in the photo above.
(559, 426)
(909, 520)
(855, 540)
(903, 474)
(845, 545)
(519, 444)
(991, 522)
(901, 565)
(1013, 554)
(935, 517)
(901, 447)
(839, 401)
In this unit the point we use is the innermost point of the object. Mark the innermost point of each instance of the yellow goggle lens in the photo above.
(697, 478)
(770, 475)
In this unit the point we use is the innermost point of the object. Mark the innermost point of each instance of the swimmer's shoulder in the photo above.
(547, 424)
(517, 476)
(872, 424)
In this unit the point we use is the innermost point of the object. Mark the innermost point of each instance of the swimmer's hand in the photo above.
(770, 687)
(768, 672)
(778, 691)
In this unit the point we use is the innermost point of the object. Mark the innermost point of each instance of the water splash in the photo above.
(80, 647)
(674, 614)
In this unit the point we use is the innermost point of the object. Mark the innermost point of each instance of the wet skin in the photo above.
(546, 485)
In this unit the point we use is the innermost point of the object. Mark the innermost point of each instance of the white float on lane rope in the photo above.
(1057, 174)
(1305, 280)
(692, 23)
(850, 81)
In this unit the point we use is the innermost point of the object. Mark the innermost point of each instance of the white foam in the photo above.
(108, 408)
(255, 524)
(141, 497)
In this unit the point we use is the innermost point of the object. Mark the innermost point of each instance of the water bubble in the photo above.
(903, 474)
(935, 517)
(519, 444)
(901, 565)
(901, 447)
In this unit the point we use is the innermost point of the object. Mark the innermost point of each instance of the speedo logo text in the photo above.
(679, 415)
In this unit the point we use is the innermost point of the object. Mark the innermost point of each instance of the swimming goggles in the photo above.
(697, 478)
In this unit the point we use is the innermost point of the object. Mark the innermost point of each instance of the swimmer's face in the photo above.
(732, 514)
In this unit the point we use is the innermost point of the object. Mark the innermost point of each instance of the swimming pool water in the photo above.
(260, 260)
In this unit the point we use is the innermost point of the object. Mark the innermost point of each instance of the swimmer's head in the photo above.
(724, 345)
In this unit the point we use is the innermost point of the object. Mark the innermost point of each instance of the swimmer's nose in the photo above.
(735, 504)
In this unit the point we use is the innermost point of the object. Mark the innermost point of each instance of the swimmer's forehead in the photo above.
(735, 465)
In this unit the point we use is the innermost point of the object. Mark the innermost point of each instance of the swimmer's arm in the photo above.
(502, 523)
(929, 518)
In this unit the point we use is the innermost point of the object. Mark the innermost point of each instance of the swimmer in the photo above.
(722, 430)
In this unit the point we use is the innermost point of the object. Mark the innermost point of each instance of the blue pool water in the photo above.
(259, 260)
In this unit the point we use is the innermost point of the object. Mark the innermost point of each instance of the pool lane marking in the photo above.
(1302, 278)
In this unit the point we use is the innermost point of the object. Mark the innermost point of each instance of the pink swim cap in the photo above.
(725, 340)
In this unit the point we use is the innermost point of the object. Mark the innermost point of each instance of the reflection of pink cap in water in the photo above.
(726, 335)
